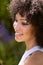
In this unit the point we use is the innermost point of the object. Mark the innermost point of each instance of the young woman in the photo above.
(28, 26)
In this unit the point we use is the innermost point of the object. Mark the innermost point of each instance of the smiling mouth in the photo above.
(18, 34)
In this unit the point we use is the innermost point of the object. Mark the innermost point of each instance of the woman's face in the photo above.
(24, 31)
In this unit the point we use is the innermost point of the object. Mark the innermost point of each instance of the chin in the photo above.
(19, 40)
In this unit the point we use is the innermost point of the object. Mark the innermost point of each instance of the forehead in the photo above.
(19, 17)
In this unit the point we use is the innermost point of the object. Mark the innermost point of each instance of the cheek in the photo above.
(28, 31)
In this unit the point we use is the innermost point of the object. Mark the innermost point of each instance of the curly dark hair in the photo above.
(33, 9)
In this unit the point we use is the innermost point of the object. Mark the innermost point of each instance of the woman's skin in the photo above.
(25, 32)
(35, 59)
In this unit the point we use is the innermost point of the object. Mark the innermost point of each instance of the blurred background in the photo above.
(10, 50)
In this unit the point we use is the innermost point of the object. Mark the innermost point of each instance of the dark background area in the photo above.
(10, 50)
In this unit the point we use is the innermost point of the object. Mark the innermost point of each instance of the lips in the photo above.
(18, 34)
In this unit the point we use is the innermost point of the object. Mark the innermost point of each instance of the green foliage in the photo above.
(5, 16)
(3, 9)
(2, 51)
(11, 52)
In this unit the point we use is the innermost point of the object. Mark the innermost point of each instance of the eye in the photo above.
(24, 23)
(16, 20)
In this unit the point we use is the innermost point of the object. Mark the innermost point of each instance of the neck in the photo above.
(30, 43)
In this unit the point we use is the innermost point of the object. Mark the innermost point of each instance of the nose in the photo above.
(16, 26)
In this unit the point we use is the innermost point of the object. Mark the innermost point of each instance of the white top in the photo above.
(28, 52)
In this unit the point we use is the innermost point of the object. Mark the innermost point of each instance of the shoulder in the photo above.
(35, 59)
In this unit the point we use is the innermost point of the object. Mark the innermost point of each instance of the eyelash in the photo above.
(16, 20)
(24, 23)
